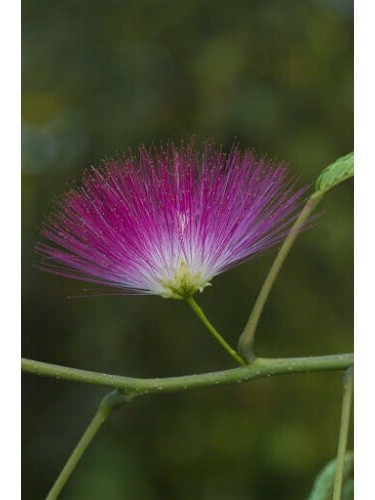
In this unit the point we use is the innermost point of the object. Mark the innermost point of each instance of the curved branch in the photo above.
(246, 340)
(260, 367)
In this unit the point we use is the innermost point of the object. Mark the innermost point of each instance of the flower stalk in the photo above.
(199, 312)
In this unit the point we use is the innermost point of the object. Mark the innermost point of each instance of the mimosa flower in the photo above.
(166, 223)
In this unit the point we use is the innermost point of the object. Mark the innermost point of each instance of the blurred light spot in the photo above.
(55, 145)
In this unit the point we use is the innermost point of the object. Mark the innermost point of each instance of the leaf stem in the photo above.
(246, 340)
(110, 402)
(199, 312)
(347, 395)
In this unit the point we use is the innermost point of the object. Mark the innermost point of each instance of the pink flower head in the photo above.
(169, 221)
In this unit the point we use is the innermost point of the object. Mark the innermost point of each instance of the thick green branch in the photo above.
(260, 367)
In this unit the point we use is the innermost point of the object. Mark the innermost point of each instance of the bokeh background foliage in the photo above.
(100, 77)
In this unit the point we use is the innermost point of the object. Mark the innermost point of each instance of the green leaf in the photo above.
(323, 485)
(337, 172)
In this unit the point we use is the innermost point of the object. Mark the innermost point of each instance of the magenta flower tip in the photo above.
(169, 221)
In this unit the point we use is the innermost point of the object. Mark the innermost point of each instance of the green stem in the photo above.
(199, 312)
(79, 450)
(110, 402)
(259, 368)
(127, 388)
(347, 395)
(246, 341)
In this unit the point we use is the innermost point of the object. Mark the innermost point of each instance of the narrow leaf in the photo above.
(339, 171)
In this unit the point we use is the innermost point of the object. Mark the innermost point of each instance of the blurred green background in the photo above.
(102, 76)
